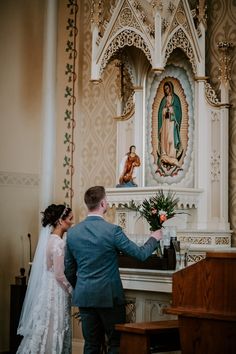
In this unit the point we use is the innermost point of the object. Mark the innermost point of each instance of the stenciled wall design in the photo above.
(95, 153)
(19, 179)
(222, 27)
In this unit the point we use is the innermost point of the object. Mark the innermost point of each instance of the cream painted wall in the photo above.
(20, 84)
(21, 30)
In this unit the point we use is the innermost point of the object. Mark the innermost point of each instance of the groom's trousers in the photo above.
(98, 323)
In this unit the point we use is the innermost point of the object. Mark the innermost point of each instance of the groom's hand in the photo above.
(157, 234)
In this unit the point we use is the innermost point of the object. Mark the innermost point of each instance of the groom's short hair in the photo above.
(93, 197)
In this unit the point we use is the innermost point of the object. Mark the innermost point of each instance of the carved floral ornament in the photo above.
(215, 166)
(126, 17)
(211, 94)
(225, 49)
(125, 89)
(101, 13)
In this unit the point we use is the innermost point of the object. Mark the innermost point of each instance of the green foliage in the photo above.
(156, 209)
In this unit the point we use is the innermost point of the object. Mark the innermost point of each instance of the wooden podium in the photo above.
(204, 298)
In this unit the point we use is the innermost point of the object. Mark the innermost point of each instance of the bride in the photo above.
(45, 320)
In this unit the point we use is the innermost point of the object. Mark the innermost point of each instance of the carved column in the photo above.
(225, 49)
(224, 165)
(211, 161)
(202, 154)
(138, 133)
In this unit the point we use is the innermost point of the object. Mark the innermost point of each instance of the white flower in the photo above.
(162, 212)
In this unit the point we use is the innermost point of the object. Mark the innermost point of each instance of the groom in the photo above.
(91, 266)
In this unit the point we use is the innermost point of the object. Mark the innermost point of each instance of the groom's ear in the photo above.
(103, 203)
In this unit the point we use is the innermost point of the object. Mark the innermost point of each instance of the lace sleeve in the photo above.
(58, 261)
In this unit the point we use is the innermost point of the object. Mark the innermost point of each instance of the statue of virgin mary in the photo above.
(169, 123)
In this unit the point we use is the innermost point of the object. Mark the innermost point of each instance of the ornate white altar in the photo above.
(157, 43)
(149, 291)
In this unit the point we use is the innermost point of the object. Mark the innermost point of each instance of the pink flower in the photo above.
(163, 217)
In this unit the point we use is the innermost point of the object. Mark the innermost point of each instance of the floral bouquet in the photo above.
(157, 209)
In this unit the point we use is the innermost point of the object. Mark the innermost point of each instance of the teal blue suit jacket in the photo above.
(91, 261)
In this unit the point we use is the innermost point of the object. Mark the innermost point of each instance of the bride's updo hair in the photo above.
(53, 213)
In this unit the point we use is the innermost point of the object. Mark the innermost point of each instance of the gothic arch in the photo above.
(127, 37)
(179, 39)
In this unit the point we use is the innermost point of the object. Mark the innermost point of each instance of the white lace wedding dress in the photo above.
(50, 322)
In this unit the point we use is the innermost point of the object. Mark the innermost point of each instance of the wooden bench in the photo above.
(149, 337)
